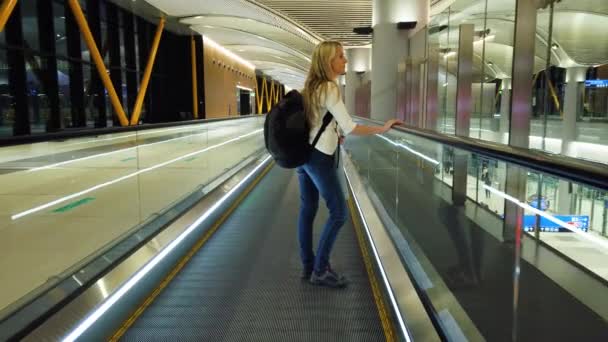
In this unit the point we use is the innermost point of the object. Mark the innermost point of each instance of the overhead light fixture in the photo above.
(363, 30)
(437, 29)
(406, 25)
(244, 88)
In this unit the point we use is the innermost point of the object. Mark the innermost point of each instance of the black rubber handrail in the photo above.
(573, 169)
(88, 132)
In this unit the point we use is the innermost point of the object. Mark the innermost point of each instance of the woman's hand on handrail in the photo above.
(371, 130)
(390, 123)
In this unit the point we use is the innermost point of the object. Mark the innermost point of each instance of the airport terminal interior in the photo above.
(139, 201)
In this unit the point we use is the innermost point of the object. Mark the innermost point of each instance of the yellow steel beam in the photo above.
(277, 91)
(144, 83)
(257, 91)
(260, 99)
(5, 12)
(101, 68)
(535, 78)
(194, 80)
(257, 96)
(554, 96)
(269, 96)
(264, 89)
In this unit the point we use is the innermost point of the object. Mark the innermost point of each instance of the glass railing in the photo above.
(62, 203)
(519, 255)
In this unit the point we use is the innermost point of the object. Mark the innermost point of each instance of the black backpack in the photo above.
(286, 132)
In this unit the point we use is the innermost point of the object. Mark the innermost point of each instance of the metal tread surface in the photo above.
(244, 284)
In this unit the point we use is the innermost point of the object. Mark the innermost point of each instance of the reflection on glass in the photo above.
(7, 109)
(63, 79)
(37, 95)
(90, 97)
(570, 111)
(29, 23)
(463, 261)
(448, 62)
(61, 42)
(447, 169)
(493, 22)
(97, 189)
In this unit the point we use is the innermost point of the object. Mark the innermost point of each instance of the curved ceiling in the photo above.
(278, 36)
(578, 37)
(278, 46)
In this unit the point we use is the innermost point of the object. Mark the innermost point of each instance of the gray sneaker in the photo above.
(329, 278)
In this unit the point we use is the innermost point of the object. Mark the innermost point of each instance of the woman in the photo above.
(485, 177)
(319, 174)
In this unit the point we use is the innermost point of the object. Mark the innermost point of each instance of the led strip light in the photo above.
(105, 306)
(109, 153)
(128, 136)
(244, 88)
(410, 150)
(99, 186)
(227, 52)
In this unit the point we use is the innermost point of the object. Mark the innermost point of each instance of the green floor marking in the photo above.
(190, 159)
(131, 158)
(74, 205)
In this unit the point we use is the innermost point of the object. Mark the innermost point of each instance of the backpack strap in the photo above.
(326, 121)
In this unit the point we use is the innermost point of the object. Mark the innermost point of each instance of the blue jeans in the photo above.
(319, 175)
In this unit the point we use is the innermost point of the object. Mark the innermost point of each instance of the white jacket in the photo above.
(332, 102)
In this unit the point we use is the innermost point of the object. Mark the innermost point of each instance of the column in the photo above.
(390, 47)
(520, 113)
(571, 106)
(432, 91)
(359, 63)
(464, 106)
(505, 110)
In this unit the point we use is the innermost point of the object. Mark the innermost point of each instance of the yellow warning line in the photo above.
(387, 324)
(144, 305)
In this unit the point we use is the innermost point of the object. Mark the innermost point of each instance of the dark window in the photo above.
(7, 108)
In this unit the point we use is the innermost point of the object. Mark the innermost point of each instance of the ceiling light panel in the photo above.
(331, 19)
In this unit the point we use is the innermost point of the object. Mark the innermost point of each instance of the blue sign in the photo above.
(580, 221)
(596, 83)
(544, 202)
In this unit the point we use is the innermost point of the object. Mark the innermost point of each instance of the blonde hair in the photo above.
(318, 79)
